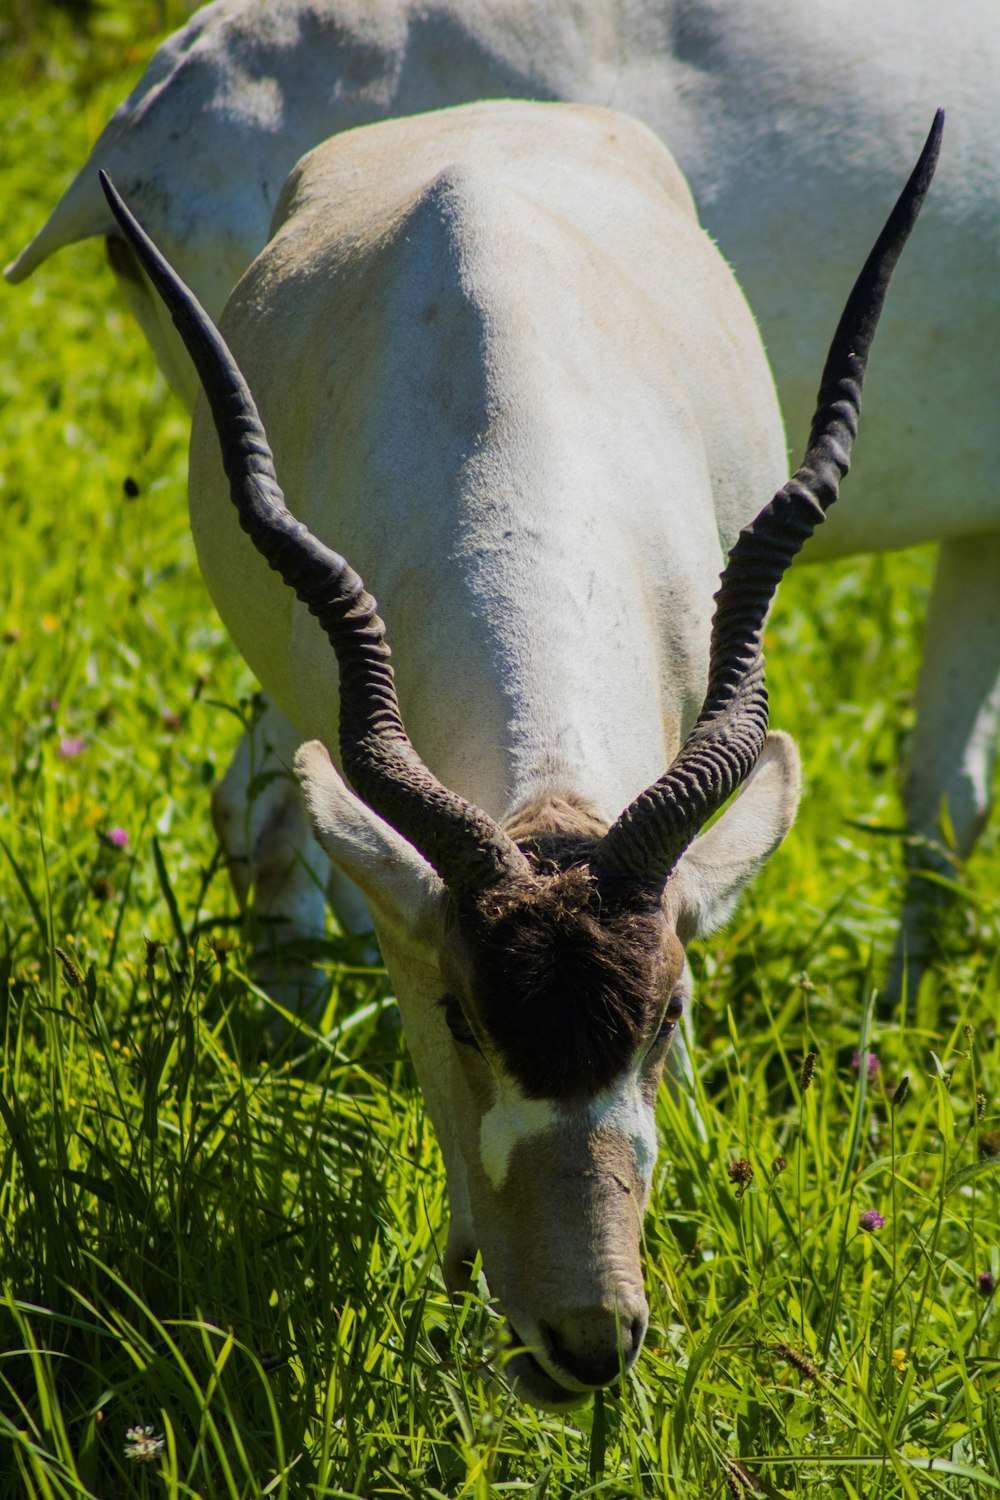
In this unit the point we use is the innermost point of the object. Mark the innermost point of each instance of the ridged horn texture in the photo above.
(722, 749)
(466, 847)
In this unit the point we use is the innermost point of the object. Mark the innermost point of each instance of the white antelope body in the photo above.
(531, 404)
(779, 112)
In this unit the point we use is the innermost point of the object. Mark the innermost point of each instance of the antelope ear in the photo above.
(397, 882)
(702, 892)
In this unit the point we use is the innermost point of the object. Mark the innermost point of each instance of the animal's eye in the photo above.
(457, 1024)
(672, 1014)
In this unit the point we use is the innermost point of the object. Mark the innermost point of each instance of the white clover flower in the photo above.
(143, 1444)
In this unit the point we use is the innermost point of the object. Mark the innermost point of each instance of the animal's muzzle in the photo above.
(579, 1350)
(594, 1345)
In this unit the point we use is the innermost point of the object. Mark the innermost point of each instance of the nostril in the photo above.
(594, 1347)
(632, 1335)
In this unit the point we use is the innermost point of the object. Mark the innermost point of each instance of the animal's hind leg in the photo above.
(954, 742)
(272, 856)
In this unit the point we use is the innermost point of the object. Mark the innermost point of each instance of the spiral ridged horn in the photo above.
(723, 747)
(466, 847)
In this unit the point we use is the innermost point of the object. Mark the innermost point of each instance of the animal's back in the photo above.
(504, 372)
(779, 113)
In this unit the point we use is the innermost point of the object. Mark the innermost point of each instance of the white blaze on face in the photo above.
(623, 1110)
(513, 1118)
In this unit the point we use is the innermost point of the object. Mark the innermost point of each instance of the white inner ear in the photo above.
(396, 880)
(703, 890)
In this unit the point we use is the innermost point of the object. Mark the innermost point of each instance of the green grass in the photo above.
(238, 1243)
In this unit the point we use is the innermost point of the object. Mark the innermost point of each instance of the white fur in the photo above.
(550, 399)
(624, 1111)
(513, 1118)
(795, 125)
(510, 1119)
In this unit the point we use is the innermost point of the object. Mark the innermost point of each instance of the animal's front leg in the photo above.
(954, 742)
(277, 868)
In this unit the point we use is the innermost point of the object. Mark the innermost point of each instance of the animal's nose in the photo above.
(594, 1344)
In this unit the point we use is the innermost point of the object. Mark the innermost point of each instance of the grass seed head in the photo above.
(71, 970)
(739, 1481)
(798, 1361)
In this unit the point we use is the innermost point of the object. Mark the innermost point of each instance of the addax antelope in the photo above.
(501, 366)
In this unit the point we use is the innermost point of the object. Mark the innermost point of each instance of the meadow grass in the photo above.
(220, 1255)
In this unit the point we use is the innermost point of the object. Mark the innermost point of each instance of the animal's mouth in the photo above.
(534, 1384)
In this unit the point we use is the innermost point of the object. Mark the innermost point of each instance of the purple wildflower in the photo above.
(70, 746)
(118, 837)
(873, 1064)
(987, 1283)
(871, 1220)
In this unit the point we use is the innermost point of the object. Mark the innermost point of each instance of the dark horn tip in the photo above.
(912, 197)
(927, 159)
(115, 201)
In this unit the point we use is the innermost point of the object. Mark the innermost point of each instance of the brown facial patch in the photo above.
(566, 979)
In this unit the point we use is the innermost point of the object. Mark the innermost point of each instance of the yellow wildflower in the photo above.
(899, 1360)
